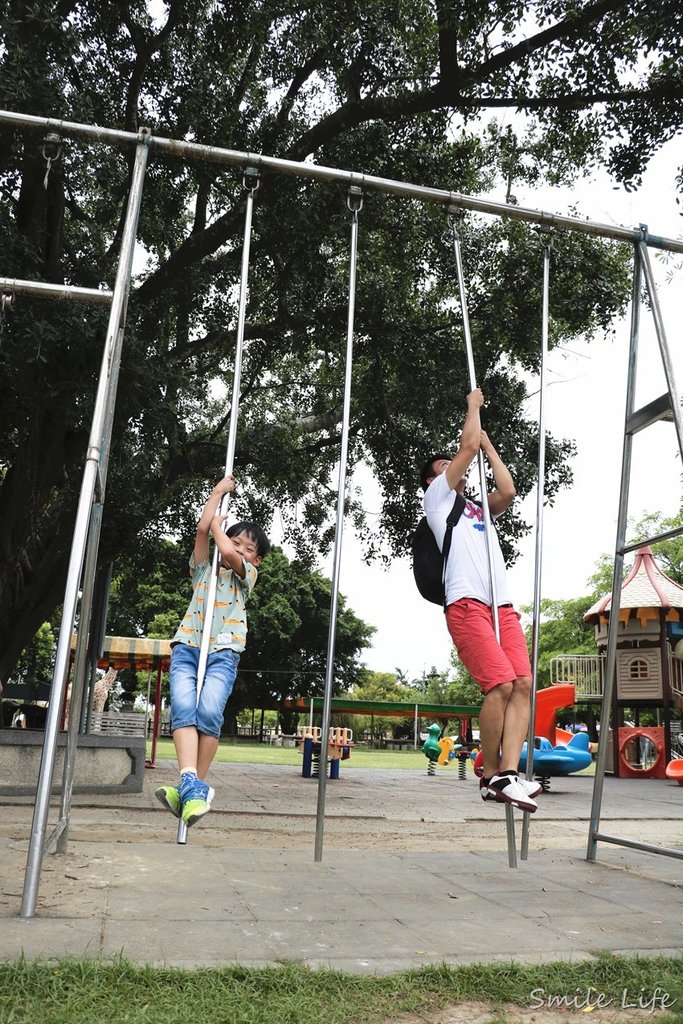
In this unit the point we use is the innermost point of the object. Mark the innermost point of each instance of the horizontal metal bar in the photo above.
(71, 128)
(317, 172)
(659, 409)
(664, 851)
(15, 286)
(667, 535)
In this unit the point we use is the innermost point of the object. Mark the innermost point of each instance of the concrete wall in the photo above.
(104, 764)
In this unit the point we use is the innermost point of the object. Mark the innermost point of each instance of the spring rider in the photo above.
(444, 750)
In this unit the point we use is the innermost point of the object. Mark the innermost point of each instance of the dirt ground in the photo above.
(486, 1013)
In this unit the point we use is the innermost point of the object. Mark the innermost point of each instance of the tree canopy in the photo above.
(403, 90)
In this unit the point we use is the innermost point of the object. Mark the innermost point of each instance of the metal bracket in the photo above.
(251, 178)
(354, 199)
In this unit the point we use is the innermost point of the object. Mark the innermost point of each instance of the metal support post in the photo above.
(78, 677)
(668, 406)
(91, 477)
(251, 183)
(355, 202)
(538, 562)
(622, 519)
(667, 364)
(509, 814)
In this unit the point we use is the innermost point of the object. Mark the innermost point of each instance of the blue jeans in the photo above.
(219, 679)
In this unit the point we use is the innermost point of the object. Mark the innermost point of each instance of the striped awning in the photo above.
(137, 652)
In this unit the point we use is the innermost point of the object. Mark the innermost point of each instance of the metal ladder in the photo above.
(666, 407)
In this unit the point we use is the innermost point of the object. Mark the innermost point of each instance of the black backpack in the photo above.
(429, 563)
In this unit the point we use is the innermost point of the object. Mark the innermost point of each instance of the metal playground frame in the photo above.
(83, 558)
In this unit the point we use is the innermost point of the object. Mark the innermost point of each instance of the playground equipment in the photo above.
(548, 702)
(642, 753)
(78, 598)
(561, 759)
(674, 770)
(339, 743)
(573, 752)
(647, 678)
(444, 750)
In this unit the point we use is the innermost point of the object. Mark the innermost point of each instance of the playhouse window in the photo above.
(638, 669)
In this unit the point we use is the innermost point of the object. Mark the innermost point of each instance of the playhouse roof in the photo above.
(646, 586)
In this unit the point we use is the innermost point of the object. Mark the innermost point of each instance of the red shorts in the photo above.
(490, 663)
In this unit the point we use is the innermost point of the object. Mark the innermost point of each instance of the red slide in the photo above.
(561, 695)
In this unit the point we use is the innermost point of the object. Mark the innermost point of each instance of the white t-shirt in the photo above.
(467, 571)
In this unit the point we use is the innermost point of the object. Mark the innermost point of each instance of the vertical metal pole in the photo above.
(85, 639)
(147, 702)
(78, 676)
(538, 563)
(152, 763)
(622, 520)
(509, 814)
(663, 346)
(355, 202)
(251, 184)
(91, 478)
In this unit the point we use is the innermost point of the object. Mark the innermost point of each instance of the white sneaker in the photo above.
(508, 789)
(532, 787)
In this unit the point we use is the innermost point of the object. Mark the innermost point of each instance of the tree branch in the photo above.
(568, 28)
(578, 100)
(298, 81)
(145, 48)
(448, 44)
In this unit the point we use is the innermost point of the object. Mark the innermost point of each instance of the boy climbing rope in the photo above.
(501, 668)
(196, 725)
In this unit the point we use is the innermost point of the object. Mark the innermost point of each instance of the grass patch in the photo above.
(263, 753)
(76, 991)
(361, 757)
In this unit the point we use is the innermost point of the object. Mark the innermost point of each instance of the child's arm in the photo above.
(201, 541)
(227, 550)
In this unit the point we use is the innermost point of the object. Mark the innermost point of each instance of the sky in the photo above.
(585, 401)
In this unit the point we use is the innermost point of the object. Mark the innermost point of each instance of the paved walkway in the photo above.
(414, 871)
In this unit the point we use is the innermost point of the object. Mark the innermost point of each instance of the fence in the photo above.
(119, 723)
(585, 671)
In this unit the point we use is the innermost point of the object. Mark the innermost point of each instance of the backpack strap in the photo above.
(451, 520)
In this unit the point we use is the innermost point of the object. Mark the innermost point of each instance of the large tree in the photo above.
(390, 88)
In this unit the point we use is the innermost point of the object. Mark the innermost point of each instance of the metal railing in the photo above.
(676, 675)
(119, 723)
(585, 671)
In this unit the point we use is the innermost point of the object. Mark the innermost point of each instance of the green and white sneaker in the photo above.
(169, 796)
(197, 803)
